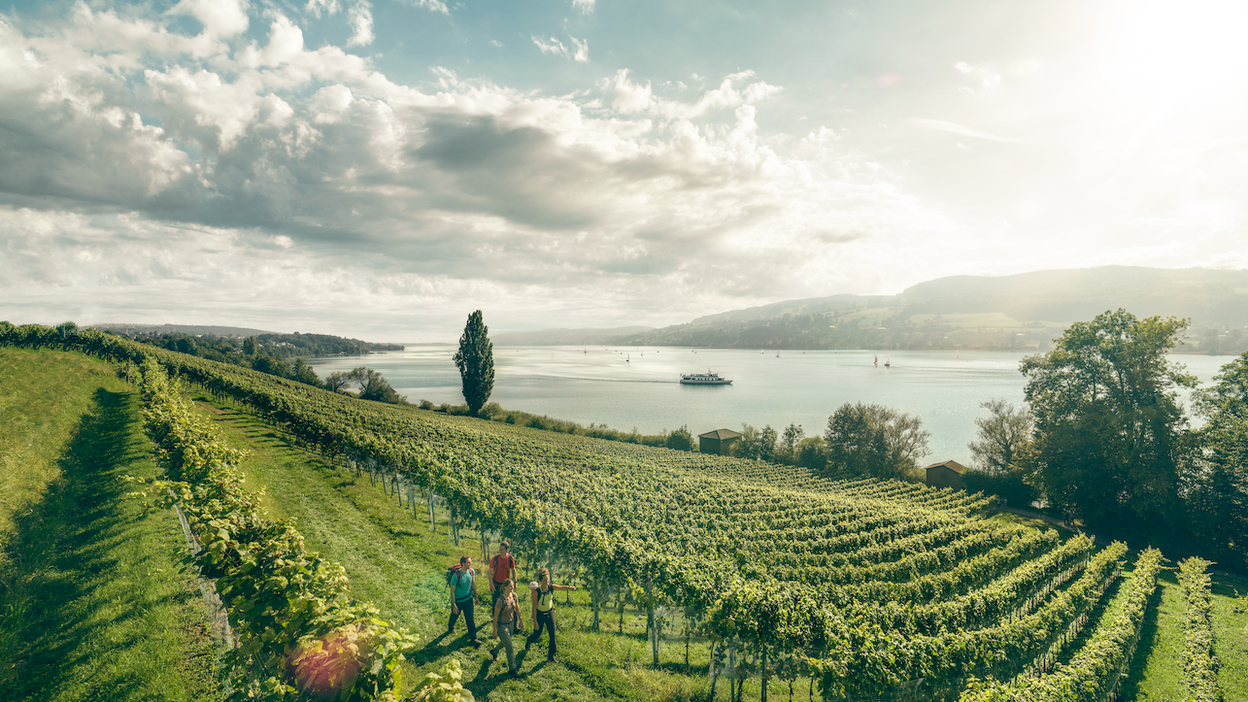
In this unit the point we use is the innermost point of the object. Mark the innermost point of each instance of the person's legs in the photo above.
(467, 607)
(533, 638)
(450, 627)
(550, 648)
(504, 633)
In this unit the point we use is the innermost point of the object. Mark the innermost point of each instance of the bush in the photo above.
(1008, 485)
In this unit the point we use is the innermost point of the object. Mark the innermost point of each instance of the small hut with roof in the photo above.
(718, 441)
(946, 474)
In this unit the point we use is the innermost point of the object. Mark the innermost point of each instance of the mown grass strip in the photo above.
(43, 395)
(93, 603)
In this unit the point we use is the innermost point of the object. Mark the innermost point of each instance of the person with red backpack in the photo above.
(461, 578)
(502, 569)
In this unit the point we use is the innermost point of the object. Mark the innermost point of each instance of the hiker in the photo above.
(507, 621)
(463, 595)
(542, 593)
(502, 568)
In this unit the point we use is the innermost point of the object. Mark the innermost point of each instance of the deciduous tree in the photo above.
(874, 440)
(304, 373)
(1108, 422)
(373, 386)
(1217, 489)
(1003, 441)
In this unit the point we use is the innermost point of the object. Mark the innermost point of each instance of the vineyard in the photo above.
(869, 589)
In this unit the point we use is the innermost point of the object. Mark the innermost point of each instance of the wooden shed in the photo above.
(946, 474)
(718, 441)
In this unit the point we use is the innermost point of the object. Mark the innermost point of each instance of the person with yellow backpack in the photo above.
(542, 594)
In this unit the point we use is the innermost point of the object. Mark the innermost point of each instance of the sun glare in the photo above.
(1182, 50)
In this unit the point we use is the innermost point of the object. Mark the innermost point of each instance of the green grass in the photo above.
(93, 602)
(1230, 635)
(42, 396)
(1156, 672)
(398, 562)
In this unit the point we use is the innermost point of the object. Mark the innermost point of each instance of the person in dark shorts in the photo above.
(543, 595)
(463, 596)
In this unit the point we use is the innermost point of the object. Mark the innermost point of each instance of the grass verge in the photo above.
(94, 604)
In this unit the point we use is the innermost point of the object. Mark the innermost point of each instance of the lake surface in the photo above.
(627, 388)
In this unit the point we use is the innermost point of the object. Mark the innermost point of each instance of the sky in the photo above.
(380, 169)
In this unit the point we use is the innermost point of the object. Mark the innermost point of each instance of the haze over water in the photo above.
(628, 388)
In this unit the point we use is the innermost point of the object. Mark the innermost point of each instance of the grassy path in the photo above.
(1230, 635)
(1156, 673)
(93, 603)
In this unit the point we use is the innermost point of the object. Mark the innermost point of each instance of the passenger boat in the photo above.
(707, 378)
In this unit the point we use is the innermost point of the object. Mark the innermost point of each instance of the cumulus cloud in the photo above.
(585, 6)
(220, 18)
(232, 175)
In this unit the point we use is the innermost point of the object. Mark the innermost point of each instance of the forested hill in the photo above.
(239, 349)
(1017, 312)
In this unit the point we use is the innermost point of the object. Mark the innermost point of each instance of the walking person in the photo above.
(507, 622)
(543, 595)
(502, 568)
(463, 597)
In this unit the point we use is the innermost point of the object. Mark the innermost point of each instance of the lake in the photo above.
(627, 388)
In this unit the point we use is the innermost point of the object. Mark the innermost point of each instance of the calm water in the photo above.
(638, 388)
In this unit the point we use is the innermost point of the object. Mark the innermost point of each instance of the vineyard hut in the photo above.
(946, 474)
(718, 441)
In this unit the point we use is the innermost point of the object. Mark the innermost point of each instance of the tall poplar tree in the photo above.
(475, 360)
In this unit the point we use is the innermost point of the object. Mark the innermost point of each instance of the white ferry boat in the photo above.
(707, 378)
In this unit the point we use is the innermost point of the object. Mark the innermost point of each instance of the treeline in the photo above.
(268, 353)
(243, 351)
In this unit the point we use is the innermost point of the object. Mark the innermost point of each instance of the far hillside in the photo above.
(1016, 312)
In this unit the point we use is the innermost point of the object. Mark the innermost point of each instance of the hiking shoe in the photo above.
(552, 659)
(515, 674)
(494, 656)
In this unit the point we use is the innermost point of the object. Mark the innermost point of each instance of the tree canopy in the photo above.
(1217, 490)
(475, 360)
(874, 440)
(373, 386)
(1108, 422)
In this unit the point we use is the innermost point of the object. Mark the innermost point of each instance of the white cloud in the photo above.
(581, 54)
(307, 177)
(551, 46)
(432, 5)
(327, 7)
(585, 6)
(554, 47)
(361, 18)
(221, 18)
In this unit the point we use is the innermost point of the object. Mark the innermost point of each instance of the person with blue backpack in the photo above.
(463, 597)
